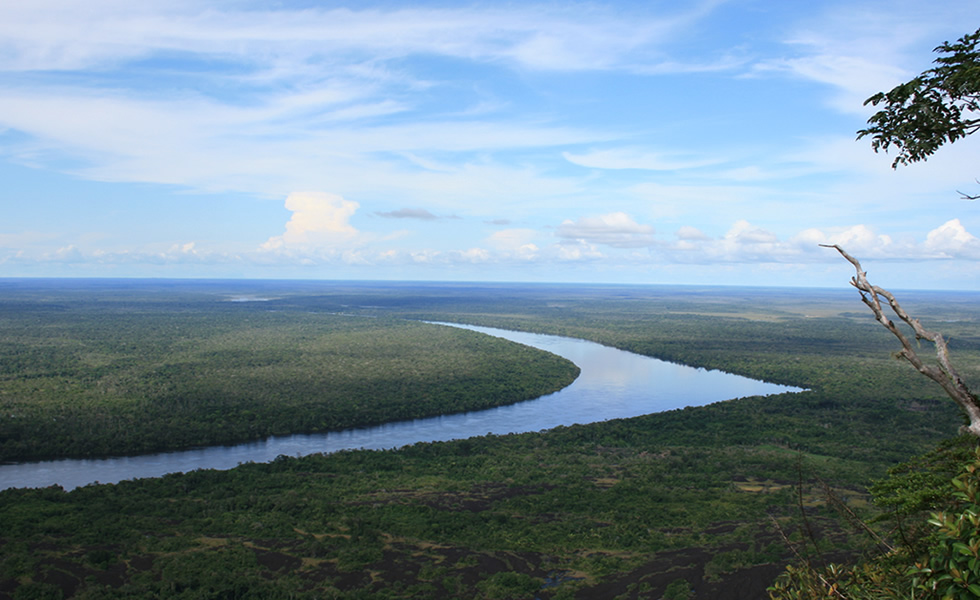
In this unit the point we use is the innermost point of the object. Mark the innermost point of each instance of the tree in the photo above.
(940, 105)
(943, 371)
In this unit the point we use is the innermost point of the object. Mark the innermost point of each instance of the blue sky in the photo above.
(650, 142)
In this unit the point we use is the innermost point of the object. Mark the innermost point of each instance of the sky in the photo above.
(703, 142)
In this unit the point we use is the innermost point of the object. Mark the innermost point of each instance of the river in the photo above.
(613, 384)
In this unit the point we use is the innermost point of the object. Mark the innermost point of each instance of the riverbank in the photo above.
(611, 384)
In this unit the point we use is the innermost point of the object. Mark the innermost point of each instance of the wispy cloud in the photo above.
(634, 158)
(408, 213)
(610, 135)
(60, 35)
(857, 51)
(250, 86)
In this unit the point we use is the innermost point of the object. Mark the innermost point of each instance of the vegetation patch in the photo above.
(702, 502)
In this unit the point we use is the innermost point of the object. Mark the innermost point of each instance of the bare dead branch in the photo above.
(943, 373)
(964, 196)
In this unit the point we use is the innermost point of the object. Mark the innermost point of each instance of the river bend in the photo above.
(612, 384)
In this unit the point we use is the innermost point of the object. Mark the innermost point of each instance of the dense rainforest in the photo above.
(703, 502)
(91, 376)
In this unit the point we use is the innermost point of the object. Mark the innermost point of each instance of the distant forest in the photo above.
(694, 503)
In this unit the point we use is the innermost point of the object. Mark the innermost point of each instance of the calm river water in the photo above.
(613, 384)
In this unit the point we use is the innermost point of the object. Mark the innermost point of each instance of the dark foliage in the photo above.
(937, 107)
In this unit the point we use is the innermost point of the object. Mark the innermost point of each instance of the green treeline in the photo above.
(683, 504)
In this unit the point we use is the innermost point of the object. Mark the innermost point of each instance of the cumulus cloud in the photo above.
(952, 240)
(69, 254)
(187, 248)
(743, 232)
(858, 239)
(319, 220)
(475, 255)
(577, 250)
(614, 229)
(747, 243)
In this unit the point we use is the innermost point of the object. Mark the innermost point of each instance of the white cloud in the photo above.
(475, 255)
(66, 35)
(691, 234)
(266, 149)
(318, 220)
(746, 243)
(527, 252)
(857, 240)
(516, 243)
(66, 254)
(859, 50)
(478, 111)
(743, 232)
(426, 256)
(186, 249)
(577, 250)
(508, 239)
(633, 158)
(267, 101)
(952, 240)
(614, 229)
(853, 78)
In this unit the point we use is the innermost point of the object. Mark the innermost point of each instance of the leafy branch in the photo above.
(937, 107)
